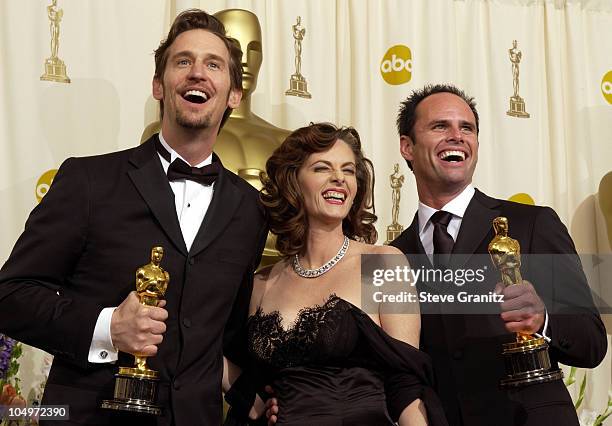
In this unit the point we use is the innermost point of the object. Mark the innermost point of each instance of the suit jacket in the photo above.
(78, 254)
(466, 348)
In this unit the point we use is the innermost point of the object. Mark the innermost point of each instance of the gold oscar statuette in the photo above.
(517, 104)
(136, 387)
(395, 229)
(526, 359)
(55, 69)
(298, 86)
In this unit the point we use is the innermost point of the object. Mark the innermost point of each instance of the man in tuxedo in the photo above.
(67, 286)
(438, 129)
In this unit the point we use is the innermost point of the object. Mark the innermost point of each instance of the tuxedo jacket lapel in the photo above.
(409, 242)
(225, 201)
(152, 184)
(477, 223)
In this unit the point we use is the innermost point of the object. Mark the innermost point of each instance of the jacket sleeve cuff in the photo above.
(241, 396)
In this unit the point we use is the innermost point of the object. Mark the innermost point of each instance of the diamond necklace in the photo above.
(314, 273)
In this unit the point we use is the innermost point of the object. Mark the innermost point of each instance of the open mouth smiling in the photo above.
(452, 156)
(195, 96)
(335, 197)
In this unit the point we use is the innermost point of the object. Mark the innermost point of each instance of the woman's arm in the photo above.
(244, 391)
(414, 414)
(403, 322)
(231, 372)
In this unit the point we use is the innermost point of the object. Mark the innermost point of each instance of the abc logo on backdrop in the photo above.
(44, 183)
(396, 65)
(606, 86)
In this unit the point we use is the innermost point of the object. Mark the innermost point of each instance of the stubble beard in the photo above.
(195, 123)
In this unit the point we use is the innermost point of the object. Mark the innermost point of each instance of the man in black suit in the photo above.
(438, 129)
(76, 259)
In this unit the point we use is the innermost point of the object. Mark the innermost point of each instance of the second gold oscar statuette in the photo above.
(397, 180)
(55, 69)
(298, 86)
(136, 387)
(527, 360)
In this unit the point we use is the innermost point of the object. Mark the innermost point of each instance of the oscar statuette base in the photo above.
(55, 70)
(298, 86)
(517, 108)
(527, 362)
(135, 391)
(393, 231)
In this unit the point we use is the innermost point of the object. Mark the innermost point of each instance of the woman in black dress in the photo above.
(329, 362)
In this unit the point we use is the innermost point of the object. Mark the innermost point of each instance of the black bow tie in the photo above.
(205, 175)
(179, 169)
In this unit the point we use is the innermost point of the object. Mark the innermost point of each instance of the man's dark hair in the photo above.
(407, 113)
(196, 19)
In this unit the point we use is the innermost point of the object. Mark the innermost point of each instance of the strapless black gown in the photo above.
(334, 366)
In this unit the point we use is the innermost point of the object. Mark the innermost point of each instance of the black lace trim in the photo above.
(271, 344)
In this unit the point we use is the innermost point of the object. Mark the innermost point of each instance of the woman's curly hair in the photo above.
(282, 197)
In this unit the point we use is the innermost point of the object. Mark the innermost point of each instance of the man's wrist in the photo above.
(544, 332)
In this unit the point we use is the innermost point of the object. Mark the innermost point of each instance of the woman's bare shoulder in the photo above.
(262, 281)
(263, 273)
(377, 249)
(388, 250)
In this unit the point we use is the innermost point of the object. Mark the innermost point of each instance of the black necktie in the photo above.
(179, 169)
(442, 241)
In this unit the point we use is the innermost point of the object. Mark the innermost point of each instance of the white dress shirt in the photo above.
(191, 200)
(456, 206)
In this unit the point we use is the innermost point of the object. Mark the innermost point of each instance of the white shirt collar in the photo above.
(174, 155)
(456, 206)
